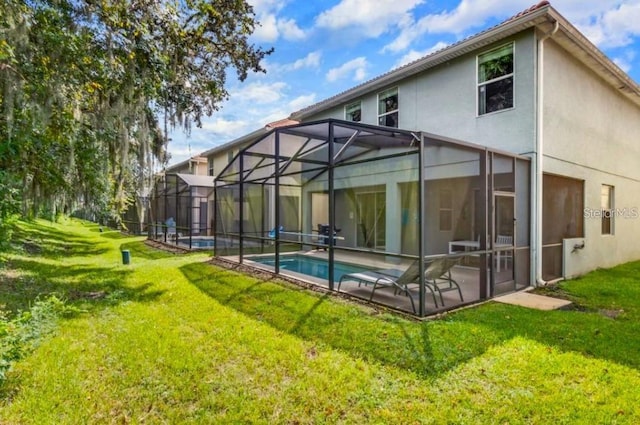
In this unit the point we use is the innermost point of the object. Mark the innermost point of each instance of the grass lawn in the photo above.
(172, 339)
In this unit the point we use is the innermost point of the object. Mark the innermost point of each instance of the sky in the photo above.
(323, 47)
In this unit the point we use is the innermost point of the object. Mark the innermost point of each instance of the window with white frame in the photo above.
(606, 204)
(353, 112)
(495, 80)
(388, 108)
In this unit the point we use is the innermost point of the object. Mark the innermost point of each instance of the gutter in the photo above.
(536, 253)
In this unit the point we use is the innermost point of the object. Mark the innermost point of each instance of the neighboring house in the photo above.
(533, 86)
(183, 193)
(196, 165)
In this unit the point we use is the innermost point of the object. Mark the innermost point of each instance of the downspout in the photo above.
(537, 254)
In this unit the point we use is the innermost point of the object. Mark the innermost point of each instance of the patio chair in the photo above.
(397, 279)
(438, 278)
(502, 240)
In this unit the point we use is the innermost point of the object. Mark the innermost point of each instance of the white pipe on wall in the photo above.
(537, 222)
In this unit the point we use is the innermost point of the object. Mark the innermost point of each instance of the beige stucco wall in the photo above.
(591, 132)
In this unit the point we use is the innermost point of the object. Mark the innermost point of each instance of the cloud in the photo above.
(272, 26)
(268, 28)
(615, 27)
(264, 6)
(312, 60)
(370, 18)
(215, 131)
(625, 61)
(468, 14)
(290, 30)
(223, 127)
(414, 55)
(259, 92)
(356, 66)
(302, 102)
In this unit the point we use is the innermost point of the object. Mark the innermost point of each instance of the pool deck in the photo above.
(467, 277)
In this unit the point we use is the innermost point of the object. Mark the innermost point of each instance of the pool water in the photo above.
(198, 243)
(310, 266)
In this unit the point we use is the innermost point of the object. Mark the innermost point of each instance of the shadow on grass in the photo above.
(38, 240)
(384, 338)
(138, 249)
(428, 348)
(588, 332)
(114, 234)
(83, 286)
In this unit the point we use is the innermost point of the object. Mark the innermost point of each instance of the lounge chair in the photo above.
(397, 279)
(438, 278)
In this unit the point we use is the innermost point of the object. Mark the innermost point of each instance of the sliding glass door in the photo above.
(371, 220)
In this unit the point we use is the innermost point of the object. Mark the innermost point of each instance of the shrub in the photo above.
(22, 333)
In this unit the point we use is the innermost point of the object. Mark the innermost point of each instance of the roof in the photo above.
(248, 138)
(196, 180)
(185, 163)
(281, 123)
(541, 16)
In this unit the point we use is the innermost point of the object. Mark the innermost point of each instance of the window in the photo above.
(606, 203)
(388, 108)
(353, 112)
(495, 80)
(210, 166)
(446, 210)
(230, 156)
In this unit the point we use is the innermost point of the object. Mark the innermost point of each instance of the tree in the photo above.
(82, 84)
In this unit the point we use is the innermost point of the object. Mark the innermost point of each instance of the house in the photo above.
(534, 86)
(183, 193)
(514, 151)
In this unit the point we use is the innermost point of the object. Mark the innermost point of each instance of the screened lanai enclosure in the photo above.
(182, 210)
(412, 221)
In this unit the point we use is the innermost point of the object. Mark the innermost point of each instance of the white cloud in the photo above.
(223, 127)
(607, 23)
(302, 102)
(356, 66)
(468, 14)
(626, 60)
(215, 131)
(623, 64)
(615, 27)
(372, 18)
(290, 30)
(414, 55)
(263, 6)
(259, 92)
(268, 28)
(272, 25)
(272, 116)
(312, 60)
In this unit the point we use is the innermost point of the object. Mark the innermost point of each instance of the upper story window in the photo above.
(495, 80)
(388, 108)
(210, 166)
(606, 203)
(353, 112)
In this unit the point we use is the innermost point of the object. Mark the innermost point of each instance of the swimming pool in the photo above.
(316, 267)
(198, 243)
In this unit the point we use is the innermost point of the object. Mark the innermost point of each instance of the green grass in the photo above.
(173, 339)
